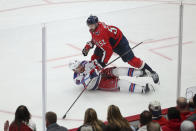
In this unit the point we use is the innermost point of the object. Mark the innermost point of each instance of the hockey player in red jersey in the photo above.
(109, 39)
(87, 76)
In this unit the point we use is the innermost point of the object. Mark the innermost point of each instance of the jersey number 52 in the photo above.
(112, 29)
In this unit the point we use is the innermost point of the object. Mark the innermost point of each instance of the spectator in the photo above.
(153, 126)
(155, 108)
(182, 106)
(90, 119)
(51, 122)
(174, 120)
(21, 121)
(187, 126)
(145, 118)
(116, 122)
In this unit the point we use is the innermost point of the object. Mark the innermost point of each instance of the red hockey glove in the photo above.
(89, 45)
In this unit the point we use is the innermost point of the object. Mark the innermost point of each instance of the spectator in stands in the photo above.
(153, 126)
(155, 108)
(182, 106)
(116, 122)
(51, 122)
(174, 120)
(145, 118)
(22, 120)
(187, 126)
(90, 119)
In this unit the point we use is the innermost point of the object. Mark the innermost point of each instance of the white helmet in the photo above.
(74, 64)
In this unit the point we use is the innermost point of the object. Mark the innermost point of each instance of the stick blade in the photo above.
(64, 116)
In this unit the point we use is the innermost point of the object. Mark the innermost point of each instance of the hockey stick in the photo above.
(85, 87)
(122, 55)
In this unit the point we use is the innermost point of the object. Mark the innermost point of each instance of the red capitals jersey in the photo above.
(101, 37)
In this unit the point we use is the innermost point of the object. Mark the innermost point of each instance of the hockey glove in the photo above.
(85, 51)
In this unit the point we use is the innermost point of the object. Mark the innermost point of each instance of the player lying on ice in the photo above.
(86, 73)
(109, 39)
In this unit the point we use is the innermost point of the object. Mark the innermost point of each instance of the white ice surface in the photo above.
(20, 54)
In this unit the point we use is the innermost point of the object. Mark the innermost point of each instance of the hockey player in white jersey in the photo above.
(86, 74)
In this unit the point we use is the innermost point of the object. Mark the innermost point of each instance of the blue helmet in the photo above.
(92, 20)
